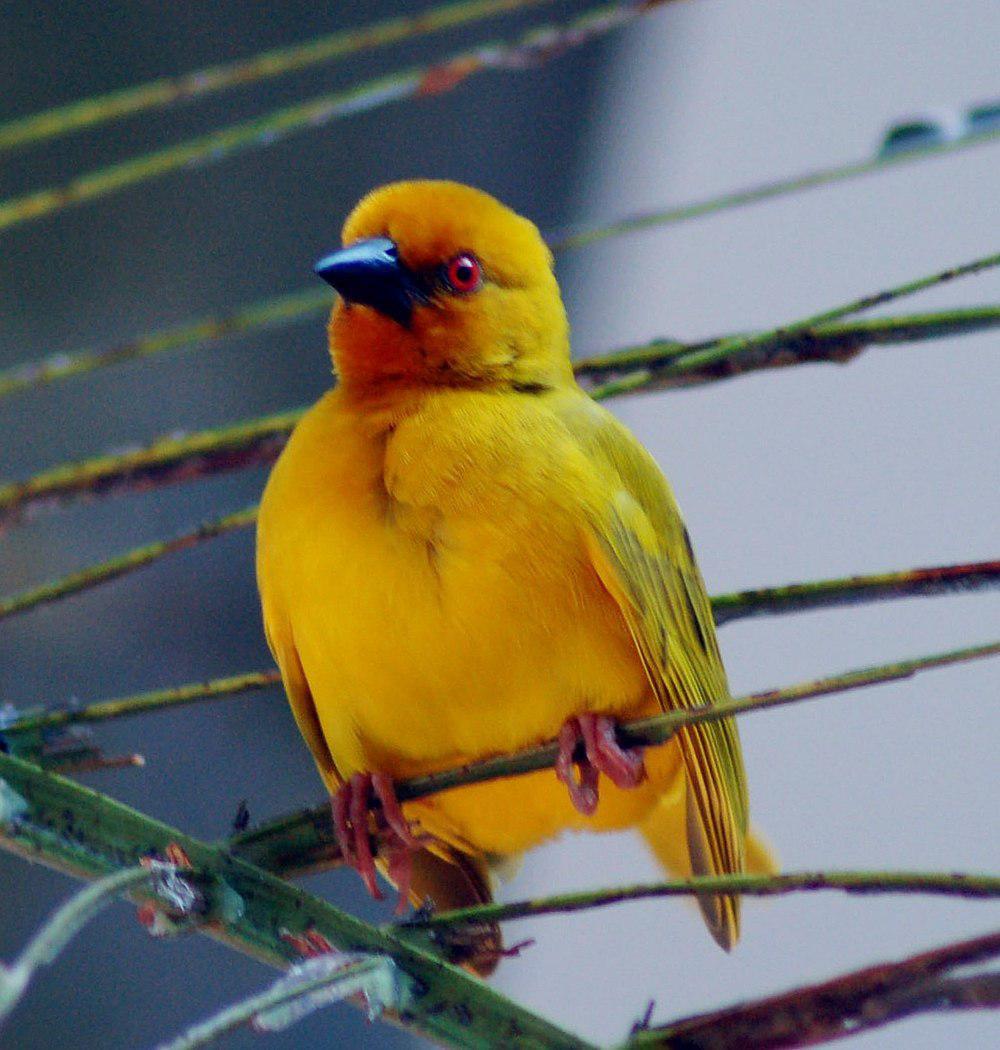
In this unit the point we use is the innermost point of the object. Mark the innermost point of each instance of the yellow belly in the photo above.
(430, 638)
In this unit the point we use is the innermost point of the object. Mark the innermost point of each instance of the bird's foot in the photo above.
(351, 808)
(603, 754)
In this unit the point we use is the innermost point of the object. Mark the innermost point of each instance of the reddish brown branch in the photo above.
(844, 1006)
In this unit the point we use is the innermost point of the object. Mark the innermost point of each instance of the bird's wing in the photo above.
(642, 553)
(282, 645)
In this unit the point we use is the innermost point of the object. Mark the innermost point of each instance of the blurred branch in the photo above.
(837, 343)
(530, 50)
(851, 590)
(307, 987)
(141, 703)
(259, 441)
(734, 354)
(166, 91)
(951, 884)
(88, 835)
(113, 568)
(304, 841)
(59, 930)
(262, 314)
(165, 462)
(845, 1006)
(769, 190)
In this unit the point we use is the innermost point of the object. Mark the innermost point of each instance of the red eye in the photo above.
(464, 274)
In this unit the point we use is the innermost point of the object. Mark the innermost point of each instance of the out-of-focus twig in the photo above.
(166, 91)
(59, 929)
(113, 568)
(535, 47)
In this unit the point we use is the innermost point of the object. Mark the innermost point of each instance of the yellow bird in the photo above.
(460, 554)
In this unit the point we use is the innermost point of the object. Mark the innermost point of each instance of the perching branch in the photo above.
(877, 995)
(60, 929)
(533, 48)
(166, 91)
(304, 841)
(945, 884)
(85, 834)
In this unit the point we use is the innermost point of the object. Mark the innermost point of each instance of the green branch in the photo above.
(113, 568)
(260, 440)
(734, 354)
(60, 929)
(853, 590)
(932, 981)
(533, 48)
(166, 91)
(304, 841)
(323, 979)
(78, 831)
(951, 884)
(143, 703)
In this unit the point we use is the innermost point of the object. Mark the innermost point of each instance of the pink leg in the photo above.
(624, 768)
(351, 808)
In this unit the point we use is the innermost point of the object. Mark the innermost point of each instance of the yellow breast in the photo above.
(430, 569)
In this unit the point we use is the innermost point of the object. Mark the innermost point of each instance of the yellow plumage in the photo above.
(458, 551)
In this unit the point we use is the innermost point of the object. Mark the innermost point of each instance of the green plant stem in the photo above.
(251, 317)
(950, 884)
(166, 91)
(851, 590)
(714, 360)
(304, 841)
(243, 1012)
(932, 981)
(113, 568)
(143, 703)
(766, 191)
(60, 929)
(421, 81)
(85, 834)
(259, 441)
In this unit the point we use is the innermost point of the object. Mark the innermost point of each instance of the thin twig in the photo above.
(59, 929)
(113, 568)
(947, 884)
(353, 974)
(845, 1006)
(706, 362)
(851, 590)
(144, 703)
(304, 841)
(166, 91)
(767, 191)
(530, 50)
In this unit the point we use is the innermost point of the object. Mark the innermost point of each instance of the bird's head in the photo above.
(441, 284)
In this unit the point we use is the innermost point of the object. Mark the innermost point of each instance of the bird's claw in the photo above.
(624, 768)
(351, 809)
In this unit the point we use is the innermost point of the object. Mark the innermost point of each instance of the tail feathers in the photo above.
(458, 881)
(673, 833)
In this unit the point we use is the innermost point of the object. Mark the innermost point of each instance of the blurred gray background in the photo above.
(889, 462)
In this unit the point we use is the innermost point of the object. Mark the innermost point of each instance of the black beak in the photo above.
(370, 272)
